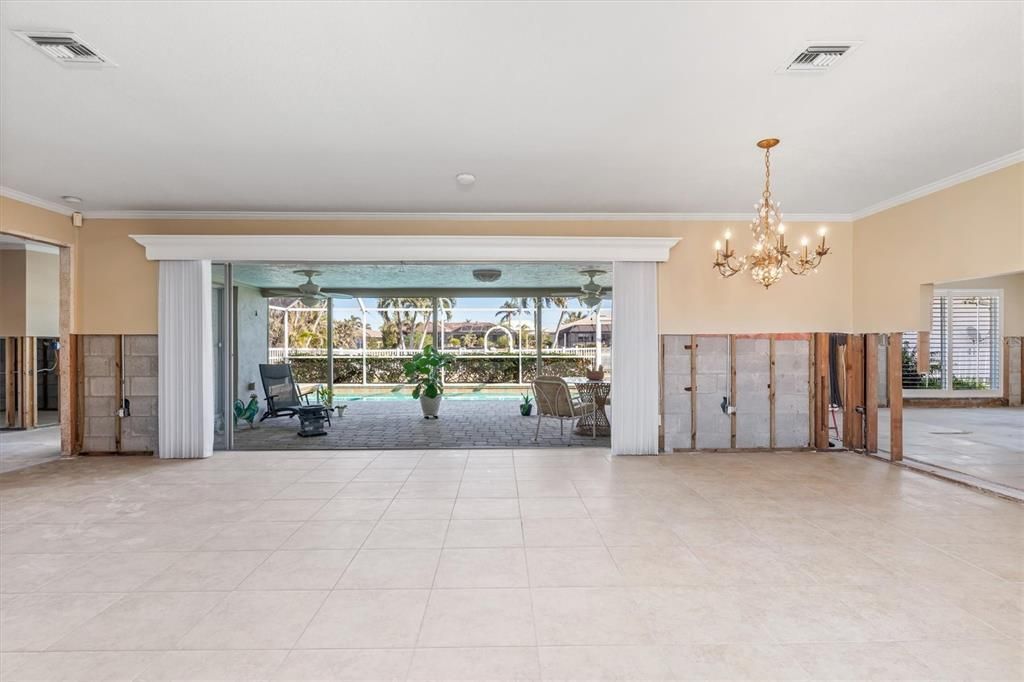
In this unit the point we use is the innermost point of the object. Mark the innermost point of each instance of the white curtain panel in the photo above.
(634, 408)
(185, 349)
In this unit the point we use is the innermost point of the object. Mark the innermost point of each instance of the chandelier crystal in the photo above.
(770, 258)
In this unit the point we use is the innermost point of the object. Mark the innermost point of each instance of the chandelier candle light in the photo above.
(771, 256)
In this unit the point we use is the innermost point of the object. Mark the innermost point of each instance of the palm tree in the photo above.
(404, 313)
(514, 306)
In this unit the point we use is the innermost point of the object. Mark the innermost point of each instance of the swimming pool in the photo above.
(381, 397)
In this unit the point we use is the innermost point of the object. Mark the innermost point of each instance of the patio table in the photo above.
(596, 391)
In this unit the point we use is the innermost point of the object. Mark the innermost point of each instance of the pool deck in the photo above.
(399, 424)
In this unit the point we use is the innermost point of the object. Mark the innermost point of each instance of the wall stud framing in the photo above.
(823, 390)
(118, 389)
(732, 389)
(10, 381)
(894, 377)
(67, 367)
(871, 392)
(771, 391)
(855, 389)
(693, 392)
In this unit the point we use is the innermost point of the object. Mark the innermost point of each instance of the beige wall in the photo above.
(880, 270)
(27, 221)
(119, 285)
(974, 229)
(12, 292)
(42, 294)
(1013, 298)
(29, 293)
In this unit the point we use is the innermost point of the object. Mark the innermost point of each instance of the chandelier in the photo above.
(771, 256)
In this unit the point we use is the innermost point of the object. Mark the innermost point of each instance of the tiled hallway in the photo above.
(505, 565)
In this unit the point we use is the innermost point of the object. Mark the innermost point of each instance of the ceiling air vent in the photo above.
(818, 57)
(66, 48)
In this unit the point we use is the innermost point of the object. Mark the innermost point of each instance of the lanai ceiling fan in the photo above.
(590, 293)
(309, 292)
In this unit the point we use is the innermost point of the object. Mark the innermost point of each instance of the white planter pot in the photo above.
(430, 406)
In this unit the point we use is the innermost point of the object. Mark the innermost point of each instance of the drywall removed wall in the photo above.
(106, 379)
(765, 377)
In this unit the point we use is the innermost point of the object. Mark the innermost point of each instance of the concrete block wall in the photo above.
(99, 378)
(675, 399)
(139, 431)
(714, 427)
(102, 430)
(792, 398)
(752, 396)
(753, 376)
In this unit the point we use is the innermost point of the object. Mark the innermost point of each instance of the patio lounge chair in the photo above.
(283, 396)
(555, 400)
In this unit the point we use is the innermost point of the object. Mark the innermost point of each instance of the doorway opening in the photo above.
(29, 352)
(342, 335)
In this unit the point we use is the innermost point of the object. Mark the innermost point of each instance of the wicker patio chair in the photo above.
(555, 400)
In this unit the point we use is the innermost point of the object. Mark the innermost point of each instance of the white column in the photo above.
(185, 347)
(634, 408)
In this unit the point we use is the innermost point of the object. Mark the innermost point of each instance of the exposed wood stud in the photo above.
(855, 389)
(771, 392)
(812, 415)
(732, 389)
(661, 393)
(894, 377)
(1006, 370)
(823, 391)
(118, 389)
(10, 381)
(846, 392)
(693, 392)
(871, 392)
(66, 369)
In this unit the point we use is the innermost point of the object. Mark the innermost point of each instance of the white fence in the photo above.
(589, 354)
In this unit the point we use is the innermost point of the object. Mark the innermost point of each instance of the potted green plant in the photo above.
(325, 396)
(424, 370)
(526, 407)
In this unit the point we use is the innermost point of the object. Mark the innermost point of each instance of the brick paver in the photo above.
(399, 424)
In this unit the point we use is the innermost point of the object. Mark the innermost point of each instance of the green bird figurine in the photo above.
(247, 412)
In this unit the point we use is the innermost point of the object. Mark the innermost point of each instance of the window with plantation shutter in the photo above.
(963, 346)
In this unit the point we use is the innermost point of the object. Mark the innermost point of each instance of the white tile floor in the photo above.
(527, 564)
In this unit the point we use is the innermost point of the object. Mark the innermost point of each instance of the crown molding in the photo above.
(457, 217)
(925, 190)
(378, 248)
(939, 185)
(35, 201)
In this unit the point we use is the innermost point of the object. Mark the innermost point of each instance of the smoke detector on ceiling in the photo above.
(819, 57)
(65, 48)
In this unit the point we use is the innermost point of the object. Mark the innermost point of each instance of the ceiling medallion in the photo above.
(770, 257)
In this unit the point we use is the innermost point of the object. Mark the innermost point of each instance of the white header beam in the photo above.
(390, 248)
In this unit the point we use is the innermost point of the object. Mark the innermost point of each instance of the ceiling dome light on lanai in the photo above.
(771, 256)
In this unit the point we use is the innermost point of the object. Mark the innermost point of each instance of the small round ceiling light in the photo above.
(67, 198)
(486, 275)
(465, 179)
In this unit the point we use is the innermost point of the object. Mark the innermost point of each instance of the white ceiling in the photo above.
(555, 106)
